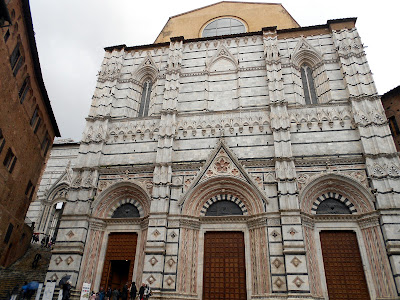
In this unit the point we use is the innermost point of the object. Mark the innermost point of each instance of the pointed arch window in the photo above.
(145, 100)
(308, 84)
(54, 224)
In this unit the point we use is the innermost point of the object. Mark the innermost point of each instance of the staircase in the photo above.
(21, 271)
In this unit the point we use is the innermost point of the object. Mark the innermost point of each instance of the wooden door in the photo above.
(224, 273)
(343, 266)
(121, 247)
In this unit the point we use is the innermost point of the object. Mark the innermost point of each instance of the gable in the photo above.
(223, 163)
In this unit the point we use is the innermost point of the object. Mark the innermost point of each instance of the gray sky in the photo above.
(71, 35)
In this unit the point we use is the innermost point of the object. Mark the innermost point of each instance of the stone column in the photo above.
(293, 250)
(91, 256)
(156, 247)
(381, 158)
(260, 280)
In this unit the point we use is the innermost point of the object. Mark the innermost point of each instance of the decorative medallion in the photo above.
(151, 279)
(298, 282)
(222, 165)
(171, 262)
(170, 280)
(209, 173)
(58, 260)
(295, 261)
(292, 231)
(277, 263)
(153, 261)
(69, 260)
(70, 234)
(173, 234)
(275, 234)
(156, 233)
(279, 282)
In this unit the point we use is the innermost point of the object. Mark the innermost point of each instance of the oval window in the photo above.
(224, 26)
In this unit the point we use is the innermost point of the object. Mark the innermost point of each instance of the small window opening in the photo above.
(145, 101)
(23, 90)
(2, 141)
(394, 128)
(7, 35)
(10, 160)
(308, 85)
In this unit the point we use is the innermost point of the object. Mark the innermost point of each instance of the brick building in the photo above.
(240, 156)
(391, 104)
(27, 127)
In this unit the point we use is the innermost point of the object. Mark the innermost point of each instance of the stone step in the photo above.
(21, 271)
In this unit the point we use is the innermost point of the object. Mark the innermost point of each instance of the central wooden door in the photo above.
(343, 266)
(119, 260)
(224, 273)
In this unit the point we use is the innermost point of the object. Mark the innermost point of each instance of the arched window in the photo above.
(224, 208)
(55, 220)
(145, 101)
(126, 210)
(333, 206)
(223, 26)
(308, 84)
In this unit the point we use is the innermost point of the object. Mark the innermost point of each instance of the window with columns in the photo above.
(145, 100)
(308, 84)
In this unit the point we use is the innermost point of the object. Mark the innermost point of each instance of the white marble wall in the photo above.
(247, 92)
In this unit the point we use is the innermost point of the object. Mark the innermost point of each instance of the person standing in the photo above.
(115, 294)
(141, 291)
(133, 291)
(147, 292)
(124, 293)
(66, 290)
(108, 293)
(101, 293)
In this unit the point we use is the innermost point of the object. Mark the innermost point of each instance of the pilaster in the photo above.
(382, 161)
(289, 268)
(156, 249)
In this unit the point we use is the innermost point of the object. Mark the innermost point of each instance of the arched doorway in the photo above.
(219, 246)
(114, 252)
(120, 259)
(344, 243)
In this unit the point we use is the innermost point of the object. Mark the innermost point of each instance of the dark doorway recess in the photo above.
(119, 260)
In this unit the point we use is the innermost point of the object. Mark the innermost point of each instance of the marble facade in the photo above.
(227, 116)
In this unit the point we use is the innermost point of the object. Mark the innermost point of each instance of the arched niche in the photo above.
(126, 210)
(332, 206)
(119, 194)
(339, 187)
(223, 208)
(212, 190)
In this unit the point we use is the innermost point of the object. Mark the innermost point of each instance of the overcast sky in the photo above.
(71, 35)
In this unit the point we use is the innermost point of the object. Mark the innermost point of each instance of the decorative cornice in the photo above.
(364, 97)
(224, 220)
(367, 220)
(351, 54)
(124, 221)
(257, 222)
(190, 223)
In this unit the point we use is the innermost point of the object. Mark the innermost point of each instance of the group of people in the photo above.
(124, 293)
